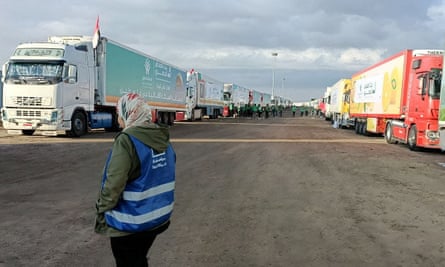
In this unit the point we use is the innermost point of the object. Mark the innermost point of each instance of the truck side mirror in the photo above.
(4, 68)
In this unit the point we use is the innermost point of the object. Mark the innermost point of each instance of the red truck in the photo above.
(399, 98)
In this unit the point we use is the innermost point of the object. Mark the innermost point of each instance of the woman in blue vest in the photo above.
(137, 190)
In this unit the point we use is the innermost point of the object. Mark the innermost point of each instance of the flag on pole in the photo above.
(96, 36)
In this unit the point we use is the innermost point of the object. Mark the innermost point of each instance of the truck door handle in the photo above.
(77, 98)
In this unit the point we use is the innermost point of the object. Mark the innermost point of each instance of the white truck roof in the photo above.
(74, 39)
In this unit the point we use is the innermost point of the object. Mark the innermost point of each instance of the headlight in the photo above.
(46, 101)
(54, 116)
(4, 115)
(433, 135)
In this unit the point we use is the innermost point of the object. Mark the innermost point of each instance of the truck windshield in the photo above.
(435, 83)
(34, 72)
(226, 96)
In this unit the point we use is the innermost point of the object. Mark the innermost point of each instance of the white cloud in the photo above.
(234, 39)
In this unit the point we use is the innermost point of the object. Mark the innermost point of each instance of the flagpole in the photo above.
(96, 40)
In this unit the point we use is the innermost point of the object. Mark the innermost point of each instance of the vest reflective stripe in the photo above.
(148, 200)
(136, 196)
(140, 219)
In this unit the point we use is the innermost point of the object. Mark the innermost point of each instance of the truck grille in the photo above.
(28, 113)
(28, 101)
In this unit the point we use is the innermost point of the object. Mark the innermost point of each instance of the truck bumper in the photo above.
(47, 122)
(44, 129)
(430, 139)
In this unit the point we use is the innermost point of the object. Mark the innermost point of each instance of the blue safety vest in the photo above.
(147, 201)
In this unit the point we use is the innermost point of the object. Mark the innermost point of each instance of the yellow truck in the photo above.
(339, 103)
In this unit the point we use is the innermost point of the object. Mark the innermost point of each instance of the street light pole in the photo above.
(274, 54)
(282, 85)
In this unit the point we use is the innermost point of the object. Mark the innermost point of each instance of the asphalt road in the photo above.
(283, 192)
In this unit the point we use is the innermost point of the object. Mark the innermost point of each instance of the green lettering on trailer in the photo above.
(129, 71)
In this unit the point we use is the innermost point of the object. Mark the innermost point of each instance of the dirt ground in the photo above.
(277, 192)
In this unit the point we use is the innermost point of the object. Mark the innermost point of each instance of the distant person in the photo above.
(274, 111)
(242, 110)
(231, 110)
(260, 111)
(254, 111)
(266, 111)
(137, 190)
(294, 110)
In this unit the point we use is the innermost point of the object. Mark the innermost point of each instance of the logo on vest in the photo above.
(159, 161)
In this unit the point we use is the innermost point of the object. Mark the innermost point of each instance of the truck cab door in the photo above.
(69, 91)
(83, 92)
(76, 92)
(419, 105)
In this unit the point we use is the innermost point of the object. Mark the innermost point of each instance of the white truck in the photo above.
(239, 95)
(339, 103)
(65, 85)
(205, 95)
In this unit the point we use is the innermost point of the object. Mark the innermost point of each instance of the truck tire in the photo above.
(357, 127)
(389, 138)
(412, 138)
(171, 118)
(363, 130)
(164, 118)
(78, 124)
(28, 132)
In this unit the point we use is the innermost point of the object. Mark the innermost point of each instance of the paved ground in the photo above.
(283, 192)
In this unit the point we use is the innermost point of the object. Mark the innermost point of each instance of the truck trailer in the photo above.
(65, 86)
(261, 99)
(399, 98)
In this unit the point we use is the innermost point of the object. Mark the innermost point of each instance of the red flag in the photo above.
(96, 36)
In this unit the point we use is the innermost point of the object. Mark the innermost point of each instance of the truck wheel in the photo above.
(171, 118)
(28, 132)
(357, 127)
(412, 138)
(164, 119)
(363, 130)
(389, 138)
(78, 124)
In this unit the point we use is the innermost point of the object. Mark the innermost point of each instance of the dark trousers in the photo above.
(132, 250)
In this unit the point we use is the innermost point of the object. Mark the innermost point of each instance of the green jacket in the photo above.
(124, 166)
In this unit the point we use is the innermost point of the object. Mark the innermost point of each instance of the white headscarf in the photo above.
(133, 110)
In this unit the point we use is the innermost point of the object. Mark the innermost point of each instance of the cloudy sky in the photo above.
(318, 41)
